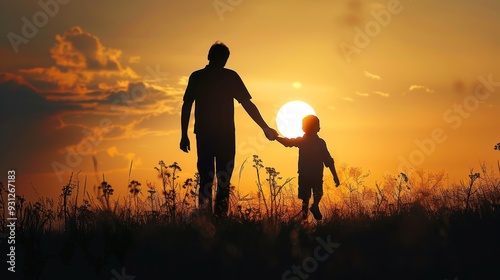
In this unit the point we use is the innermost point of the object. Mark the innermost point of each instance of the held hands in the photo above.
(270, 133)
(185, 144)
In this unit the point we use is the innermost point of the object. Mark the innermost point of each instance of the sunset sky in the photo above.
(395, 83)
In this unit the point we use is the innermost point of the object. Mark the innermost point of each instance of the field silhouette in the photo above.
(408, 226)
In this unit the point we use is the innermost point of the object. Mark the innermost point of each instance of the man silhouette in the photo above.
(213, 89)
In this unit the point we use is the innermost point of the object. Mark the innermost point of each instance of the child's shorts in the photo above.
(306, 185)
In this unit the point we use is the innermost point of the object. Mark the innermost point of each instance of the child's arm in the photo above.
(287, 142)
(330, 164)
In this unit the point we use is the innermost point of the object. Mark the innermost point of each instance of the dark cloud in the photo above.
(31, 128)
(19, 99)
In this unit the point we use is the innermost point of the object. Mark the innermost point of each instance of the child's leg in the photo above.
(305, 208)
(317, 194)
(305, 195)
(316, 199)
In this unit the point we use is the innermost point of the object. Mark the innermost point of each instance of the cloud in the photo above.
(371, 76)
(89, 100)
(364, 94)
(113, 159)
(183, 81)
(79, 49)
(421, 87)
(134, 59)
(82, 63)
(19, 99)
(31, 126)
(348, 99)
(381, 93)
(113, 151)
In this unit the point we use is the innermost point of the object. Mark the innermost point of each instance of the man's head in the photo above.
(218, 54)
(310, 124)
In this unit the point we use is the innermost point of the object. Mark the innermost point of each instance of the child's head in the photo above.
(310, 124)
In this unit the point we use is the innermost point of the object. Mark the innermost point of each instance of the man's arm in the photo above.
(185, 114)
(254, 113)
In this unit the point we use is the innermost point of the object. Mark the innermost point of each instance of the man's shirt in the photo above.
(213, 90)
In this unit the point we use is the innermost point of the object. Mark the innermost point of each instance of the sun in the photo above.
(289, 118)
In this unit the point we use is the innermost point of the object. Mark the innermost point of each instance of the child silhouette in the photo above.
(313, 153)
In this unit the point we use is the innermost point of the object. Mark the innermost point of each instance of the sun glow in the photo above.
(289, 118)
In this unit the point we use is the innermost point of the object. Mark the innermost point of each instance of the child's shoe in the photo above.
(316, 213)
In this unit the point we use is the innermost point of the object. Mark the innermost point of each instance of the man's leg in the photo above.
(206, 170)
(224, 167)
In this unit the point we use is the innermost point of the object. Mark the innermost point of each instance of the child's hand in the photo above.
(270, 133)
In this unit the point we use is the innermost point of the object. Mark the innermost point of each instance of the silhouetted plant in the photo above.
(168, 179)
(173, 207)
(424, 185)
(353, 179)
(402, 186)
(276, 198)
(191, 188)
(35, 216)
(469, 189)
(67, 191)
(380, 200)
(257, 164)
(107, 192)
(84, 216)
(134, 187)
(152, 194)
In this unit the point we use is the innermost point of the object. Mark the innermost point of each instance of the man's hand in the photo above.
(185, 144)
(270, 133)
(337, 182)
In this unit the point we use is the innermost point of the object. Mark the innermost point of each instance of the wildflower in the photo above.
(404, 176)
(474, 176)
(106, 188)
(175, 166)
(187, 183)
(257, 162)
(134, 187)
(66, 190)
(152, 188)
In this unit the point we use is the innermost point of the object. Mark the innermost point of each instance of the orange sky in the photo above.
(393, 82)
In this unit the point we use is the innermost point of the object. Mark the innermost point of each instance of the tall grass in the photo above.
(395, 194)
(81, 218)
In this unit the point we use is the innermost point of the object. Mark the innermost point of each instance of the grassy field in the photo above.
(408, 226)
